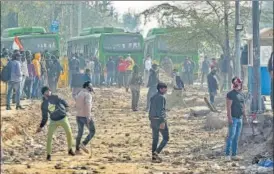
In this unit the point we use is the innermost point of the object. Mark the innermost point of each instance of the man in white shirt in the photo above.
(148, 64)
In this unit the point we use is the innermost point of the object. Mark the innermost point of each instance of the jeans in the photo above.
(28, 87)
(53, 125)
(96, 78)
(36, 87)
(121, 79)
(150, 93)
(110, 78)
(234, 132)
(135, 98)
(22, 85)
(16, 86)
(212, 97)
(81, 121)
(155, 126)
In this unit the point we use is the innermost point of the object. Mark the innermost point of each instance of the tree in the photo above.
(131, 21)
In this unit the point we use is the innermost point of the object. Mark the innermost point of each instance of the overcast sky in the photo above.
(137, 6)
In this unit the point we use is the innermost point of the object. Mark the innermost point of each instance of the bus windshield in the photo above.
(39, 44)
(122, 43)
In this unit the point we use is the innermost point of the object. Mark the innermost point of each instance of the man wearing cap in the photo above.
(157, 117)
(57, 109)
(130, 66)
(83, 108)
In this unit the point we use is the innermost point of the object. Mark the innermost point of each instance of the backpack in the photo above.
(6, 73)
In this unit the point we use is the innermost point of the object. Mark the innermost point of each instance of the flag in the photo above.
(17, 44)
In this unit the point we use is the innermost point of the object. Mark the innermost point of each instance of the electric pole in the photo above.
(237, 39)
(79, 17)
(227, 48)
(256, 85)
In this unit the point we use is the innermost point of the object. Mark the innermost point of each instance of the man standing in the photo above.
(122, 67)
(270, 70)
(130, 66)
(135, 85)
(152, 84)
(30, 79)
(192, 69)
(83, 107)
(148, 64)
(157, 117)
(205, 69)
(110, 71)
(25, 74)
(57, 109)
(212, 83)
(15, 80)
(187, 68)
(97, 72)
(74, 67)
(235, 104)
(167, 65)
(37, 76)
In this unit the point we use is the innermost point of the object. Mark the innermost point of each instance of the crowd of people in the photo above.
(25, 74)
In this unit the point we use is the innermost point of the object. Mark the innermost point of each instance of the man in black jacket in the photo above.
(212, 83)
(152, 84)
(157, 117)
(57, 109)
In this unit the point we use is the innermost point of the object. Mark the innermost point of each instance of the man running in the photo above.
(157, 117)
(83, 107)
(57, 109)
(235, 112)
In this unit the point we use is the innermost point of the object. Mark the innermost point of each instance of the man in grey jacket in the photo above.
(157, 117)
(15, 80)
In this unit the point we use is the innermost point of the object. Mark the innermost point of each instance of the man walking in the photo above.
(152, 84)
(148, 64)
(57, 109)
(235, 112)
(157, 117)
(135, 85)
(205, 69)
(83, 107)
(15, 80)
(212, 83)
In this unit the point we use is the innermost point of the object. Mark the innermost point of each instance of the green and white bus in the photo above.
(162, 42)
(35, 39)
(104, 42)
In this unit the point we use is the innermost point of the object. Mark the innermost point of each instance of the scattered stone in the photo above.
(235, 164)
(58, 166)
(127, 134)
(28, 166)
(102, 167)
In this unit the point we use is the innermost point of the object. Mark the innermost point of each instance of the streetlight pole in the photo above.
(256, 85)
(237, 39)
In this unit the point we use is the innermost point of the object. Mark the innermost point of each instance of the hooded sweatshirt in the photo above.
(36, 63)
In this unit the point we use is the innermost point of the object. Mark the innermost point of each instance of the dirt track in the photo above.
(121, 145)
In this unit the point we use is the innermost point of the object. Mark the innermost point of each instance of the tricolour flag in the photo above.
(17, 44)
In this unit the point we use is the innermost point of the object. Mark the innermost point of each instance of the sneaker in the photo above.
(19, 107)
(84, 148)
(236, 158)
(8, 108)
(156, 158)
(49, 157)
(71, 153)
(227, 158)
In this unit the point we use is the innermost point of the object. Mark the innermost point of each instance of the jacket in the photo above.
(153, 78)
(122, 66)
(157, 107)
(16, 71)
(55, 107)
(136, 82)
(36, 63)
(212, 83)
(110, 66)
(130, 63)
(205, 66)
(83, 103)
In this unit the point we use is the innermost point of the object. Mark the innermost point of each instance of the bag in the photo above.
(6, 73)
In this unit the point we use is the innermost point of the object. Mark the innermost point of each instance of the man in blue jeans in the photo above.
(235, 112)
(157, 117)
(83, 106)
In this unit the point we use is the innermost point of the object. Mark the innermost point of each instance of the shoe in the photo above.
(84, 148)
(227, 158)
(19, 107)
(236, 158)
(49, 157)
(71, 153)
(156, 158)
(8, 108)
(78, 152)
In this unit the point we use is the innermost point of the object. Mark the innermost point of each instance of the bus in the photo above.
(162, 42)
(35, 39)
(105, 42)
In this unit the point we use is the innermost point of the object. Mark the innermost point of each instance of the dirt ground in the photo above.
(122, 144)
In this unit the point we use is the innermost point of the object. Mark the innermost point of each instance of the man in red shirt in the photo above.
(122, 68)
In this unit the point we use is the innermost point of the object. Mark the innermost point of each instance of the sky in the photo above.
(137, 6)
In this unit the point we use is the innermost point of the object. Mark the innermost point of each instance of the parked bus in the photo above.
(162, 42)
(35, 39)
(106, 42)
